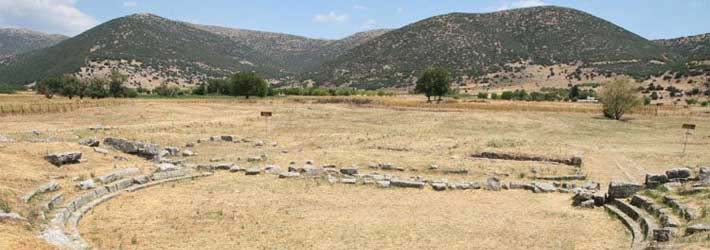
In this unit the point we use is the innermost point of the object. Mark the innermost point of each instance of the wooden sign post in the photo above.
(688, 131)
(266, 115)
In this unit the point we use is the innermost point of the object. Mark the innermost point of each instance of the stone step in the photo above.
(663, 214)
(645, 220)
(637, 242)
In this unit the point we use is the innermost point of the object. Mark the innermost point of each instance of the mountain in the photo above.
(17, 41)
(696, 47)
(293, 53)
(470, 45)
(152, 49)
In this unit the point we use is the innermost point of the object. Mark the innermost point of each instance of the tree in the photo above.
(618, 98)
(433, 82)
(116, 88)
(50, 86)
(574, 93)
(71, 86)
(96, 88)
(248, 84)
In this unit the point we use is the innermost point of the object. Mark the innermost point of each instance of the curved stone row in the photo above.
(63, 230)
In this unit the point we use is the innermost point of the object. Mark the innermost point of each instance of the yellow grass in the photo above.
(413, 137)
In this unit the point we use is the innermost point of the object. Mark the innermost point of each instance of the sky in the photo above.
(333, 19)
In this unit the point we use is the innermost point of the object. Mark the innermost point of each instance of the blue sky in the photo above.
(652, 19)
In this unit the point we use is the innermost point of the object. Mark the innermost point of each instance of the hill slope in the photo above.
(152, 49)
(472, 44)
(17, 41)
(694, 47)
(157, 43)
(294, 53)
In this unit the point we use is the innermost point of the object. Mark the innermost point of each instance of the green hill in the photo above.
(17, 41)
(472, 44)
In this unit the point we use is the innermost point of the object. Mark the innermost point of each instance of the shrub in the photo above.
(618, 98)
(691, 101)
(8, 89)
(482, 95)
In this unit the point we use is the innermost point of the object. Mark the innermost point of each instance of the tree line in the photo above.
(95, 88)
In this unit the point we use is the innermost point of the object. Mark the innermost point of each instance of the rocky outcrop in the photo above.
(59, 159)
(620, 190)
(146, 150)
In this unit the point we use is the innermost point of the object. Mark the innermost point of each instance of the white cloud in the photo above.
(370, 24)
(521, 4)
(130, 4)
(331, 17)
(52, 16)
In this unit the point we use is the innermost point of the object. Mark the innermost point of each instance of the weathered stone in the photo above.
(165, 167)
(119, 185)
(174, 151)
(54, 201)
(697, 228)
(406, 184)
(349, 171)
(438, 186)
(668, 221)
(59, 159)
(118, 174)
(591, 186)
(288, 175)
(662, 234)
(348, 180)
(383, 184)
(678, 173)
(581, 197)
(259, 144)
(493, 184)
(653, 180)
(330, 166)
(48, 187)
(599, 199)
(5, 139)
(272, 169)
(576, 161)
(142, 179)
(587, 204)
(685, 211)
(87, 184)
(544, 187)
(89, 142)
(169, 174)
(146, 150)
(620, 190)
(189, 145)
(11, 217)
(229, 138)
(311, 171)
(519, 185)
(254, 159)
(101, 151)
(704, 176)
(235, 169)
(252, 171)
(310, 162)
(188, 153)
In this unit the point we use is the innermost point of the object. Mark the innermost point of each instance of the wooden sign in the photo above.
(689, 126)
(266, 113)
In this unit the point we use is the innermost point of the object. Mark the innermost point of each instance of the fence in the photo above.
(56, 107)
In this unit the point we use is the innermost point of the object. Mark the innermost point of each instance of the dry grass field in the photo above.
(234, 211)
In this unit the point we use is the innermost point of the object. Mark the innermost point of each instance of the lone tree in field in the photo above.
(618, 98)
(247, 84)
(434, 82)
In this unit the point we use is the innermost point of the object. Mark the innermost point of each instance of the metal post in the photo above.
(685, 144)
